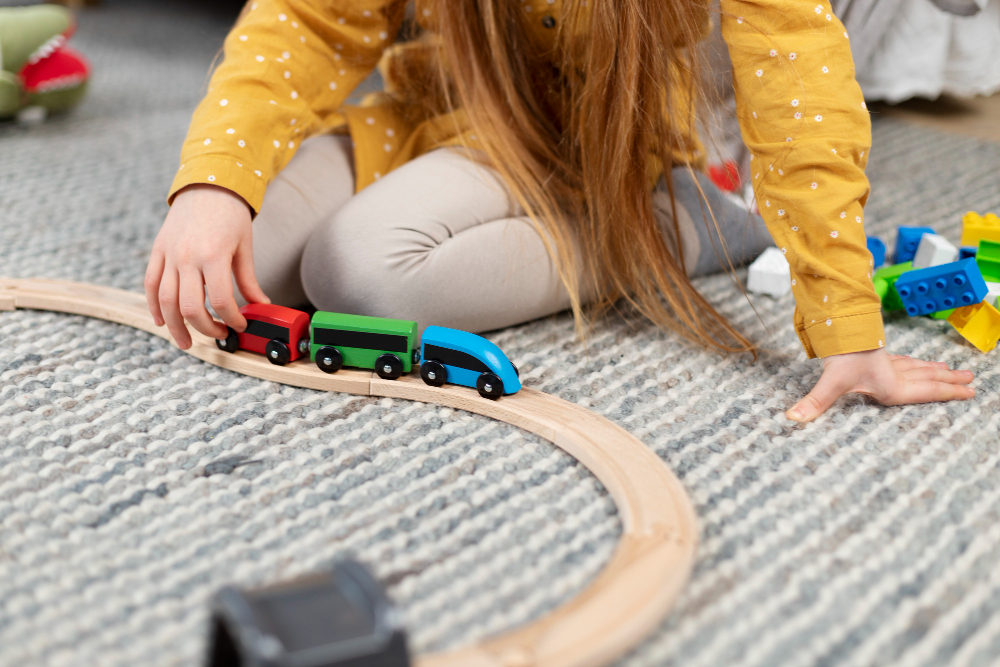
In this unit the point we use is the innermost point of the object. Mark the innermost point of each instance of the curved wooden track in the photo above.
(622, 605)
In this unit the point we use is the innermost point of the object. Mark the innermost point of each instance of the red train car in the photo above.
(281, 334)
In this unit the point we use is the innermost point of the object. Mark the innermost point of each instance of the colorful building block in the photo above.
(881, 287)
(979, 324)
(907, 241)
(988, 259)
(993, 295)
(934, 250)
(977, 227)
(926, 291)
(889, 275)
(770, 274)
(877, 249)
(967, 251)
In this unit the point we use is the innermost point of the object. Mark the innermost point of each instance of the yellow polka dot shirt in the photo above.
(290, 65)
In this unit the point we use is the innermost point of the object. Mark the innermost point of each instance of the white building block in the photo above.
(934, 250)
(993, 296)
(770, 274)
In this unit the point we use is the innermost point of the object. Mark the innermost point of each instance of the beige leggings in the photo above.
(437, 241)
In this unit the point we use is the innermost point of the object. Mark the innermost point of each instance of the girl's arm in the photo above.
(803, 117)
(288, 67)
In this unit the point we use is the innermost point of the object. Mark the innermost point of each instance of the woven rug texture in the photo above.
(135, 480)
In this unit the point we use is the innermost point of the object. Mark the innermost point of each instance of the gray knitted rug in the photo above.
(136, 480)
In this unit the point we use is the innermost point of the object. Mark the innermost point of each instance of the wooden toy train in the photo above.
(387, 346)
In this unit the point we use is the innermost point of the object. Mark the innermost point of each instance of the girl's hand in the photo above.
(889, 379)
(205, 240)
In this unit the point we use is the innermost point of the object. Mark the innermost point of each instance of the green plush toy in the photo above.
(39, 74)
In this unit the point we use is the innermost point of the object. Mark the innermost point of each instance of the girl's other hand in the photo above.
(889, 379)
(206, 239)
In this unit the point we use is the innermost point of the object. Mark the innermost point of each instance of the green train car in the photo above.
(389, 347)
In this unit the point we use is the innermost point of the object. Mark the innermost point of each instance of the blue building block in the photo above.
(877, 249)
(907, 241)
(967, 251)
(936, 288)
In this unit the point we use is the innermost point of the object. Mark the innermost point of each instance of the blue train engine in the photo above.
(463, 358)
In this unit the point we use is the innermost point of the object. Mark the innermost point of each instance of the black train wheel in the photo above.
(489, 386)
(329, 359)
(230, 343)
(434, 373)
(277, 353)
(388, 367)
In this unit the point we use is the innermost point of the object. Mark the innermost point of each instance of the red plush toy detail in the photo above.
(39, 74)
(63, 68)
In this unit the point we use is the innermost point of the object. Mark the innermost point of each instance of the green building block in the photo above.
(893, 271)
(887, 275)
(941, 314)
(988, 259)
(881, 287)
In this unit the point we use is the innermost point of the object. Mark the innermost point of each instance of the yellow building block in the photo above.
(979, 324)
(977, 227)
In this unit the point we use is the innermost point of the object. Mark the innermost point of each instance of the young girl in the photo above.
(528, 156)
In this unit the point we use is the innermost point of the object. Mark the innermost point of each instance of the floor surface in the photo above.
(978, 117)
(135, 480)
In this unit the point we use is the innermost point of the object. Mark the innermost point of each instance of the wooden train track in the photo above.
(633, 592)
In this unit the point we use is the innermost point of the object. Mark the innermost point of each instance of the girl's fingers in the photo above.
(154, 272)
(192, 304)
(246, 278)
(904, 364)
(169, 306)
(938, 375)
(930, 391)
(219, 283)
(824, 394)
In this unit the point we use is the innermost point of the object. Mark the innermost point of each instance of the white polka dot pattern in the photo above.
(808, 97)
(284, 48)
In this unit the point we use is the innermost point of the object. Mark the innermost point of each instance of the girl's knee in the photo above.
(347, 269)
